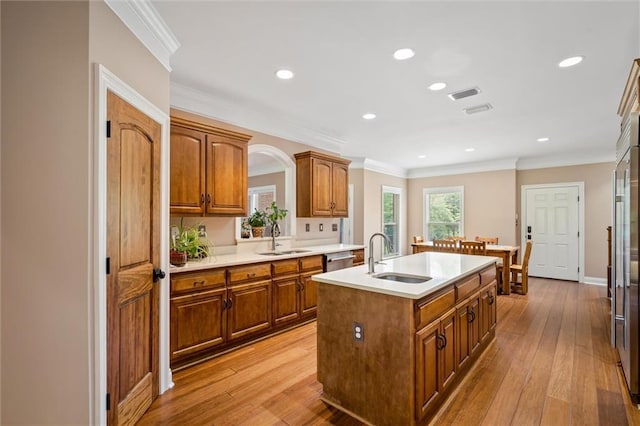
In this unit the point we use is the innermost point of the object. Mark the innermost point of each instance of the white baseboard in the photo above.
(595, 281)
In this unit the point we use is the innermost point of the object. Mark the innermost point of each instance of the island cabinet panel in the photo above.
(407, 361)
(322, 185)
(358, 257)
(209, 170)
(249, 309)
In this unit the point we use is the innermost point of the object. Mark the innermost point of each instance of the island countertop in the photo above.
(443, 268)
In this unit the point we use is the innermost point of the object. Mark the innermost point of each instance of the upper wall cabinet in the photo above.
(322, 185)
(208, 170)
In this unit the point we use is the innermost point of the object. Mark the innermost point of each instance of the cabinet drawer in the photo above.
(249, 272)
(197, 281)
(488, 275)
(467, 287)
(429, 310)
(284, 267)
(311, 263)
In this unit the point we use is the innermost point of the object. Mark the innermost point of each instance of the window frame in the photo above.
(256, 191)
(397, 246)
(426, 192)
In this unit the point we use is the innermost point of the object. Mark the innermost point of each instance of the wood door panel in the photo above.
(286, 300)
(226, 167)
(133, 243)
(340, 190)
(250, 309)
(321, 187)
(187, 175)
(463, 351)
(427, 371)
(448, 365)
(309, 294)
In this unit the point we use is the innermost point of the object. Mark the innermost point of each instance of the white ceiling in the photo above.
(341, 54)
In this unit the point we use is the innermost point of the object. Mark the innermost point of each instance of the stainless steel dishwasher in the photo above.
(339, 260)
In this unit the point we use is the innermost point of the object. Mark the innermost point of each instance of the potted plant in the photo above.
(257, 220)
(274, 214)
(187, 244)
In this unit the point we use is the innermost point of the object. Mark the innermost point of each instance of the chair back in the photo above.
(418, 239)
(488, 240)
(527, 255)
(457, 238)
(445, 245)
(473, 247)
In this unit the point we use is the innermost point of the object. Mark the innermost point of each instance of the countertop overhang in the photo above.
(443, 268)
(223, 260)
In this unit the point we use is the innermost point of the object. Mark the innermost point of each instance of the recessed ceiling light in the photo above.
(470, 149)
(422, 156)
(569, 62)
(402, 54)
(543, 139)
(284, 74)
(437, 86)
(369, 116)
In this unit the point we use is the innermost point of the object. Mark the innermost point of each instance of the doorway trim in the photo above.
(105, 80)
(523, 212)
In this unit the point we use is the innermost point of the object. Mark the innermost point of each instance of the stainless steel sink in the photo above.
(279, 253)
(403, 278)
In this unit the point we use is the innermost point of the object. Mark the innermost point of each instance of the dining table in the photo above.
(508, 254)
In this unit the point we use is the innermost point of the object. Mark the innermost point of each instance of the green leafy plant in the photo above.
(189, 241)
(258, 219)
(274, 214)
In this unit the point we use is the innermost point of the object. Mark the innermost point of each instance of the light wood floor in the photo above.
(551, 364)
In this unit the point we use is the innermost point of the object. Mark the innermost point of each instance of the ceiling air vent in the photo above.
(454, 96)
(478, 108)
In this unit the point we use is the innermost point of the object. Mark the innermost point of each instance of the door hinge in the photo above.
(108, 265)
(578, 269)
(578, 234)
(108, 128)
(108, 401)
(578, 198)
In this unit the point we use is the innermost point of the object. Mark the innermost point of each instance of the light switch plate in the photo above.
(307, 227)
(202, 231)
(321, 227)
(334, 227)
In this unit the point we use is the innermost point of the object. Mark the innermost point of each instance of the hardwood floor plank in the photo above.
(551, 364)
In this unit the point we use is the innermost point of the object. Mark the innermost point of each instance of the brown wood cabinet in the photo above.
(295, 294)
(248, 309)
(208, 170)
(468, 329)
(488, 312)
(358, 258)
(322, 185)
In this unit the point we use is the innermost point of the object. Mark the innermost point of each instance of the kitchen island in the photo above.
(389, 352)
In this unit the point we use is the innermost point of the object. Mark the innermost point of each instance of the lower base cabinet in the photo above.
(248, 309)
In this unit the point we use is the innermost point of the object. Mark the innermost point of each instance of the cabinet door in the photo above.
(286, 299)
(474, 323)
(198, 322)
(487, 311)
(340, 190)
(463, 350)
(248, 309)
(321, 192)
(447, 360)
(493, 306)
(187, 174)
(226, 176)
(428, 342)
(309, 295)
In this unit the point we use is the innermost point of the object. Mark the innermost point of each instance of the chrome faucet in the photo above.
(275, 232)
(371, 260)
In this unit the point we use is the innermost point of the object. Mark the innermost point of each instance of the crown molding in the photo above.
(247, 115)
(144, 21)
(463, 168)
(377, 166)
(568, 159)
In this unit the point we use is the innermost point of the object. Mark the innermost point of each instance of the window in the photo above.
(260, 197)
(443, 212)
(391, 219)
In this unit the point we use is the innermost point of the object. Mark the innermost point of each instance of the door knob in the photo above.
(158, 274)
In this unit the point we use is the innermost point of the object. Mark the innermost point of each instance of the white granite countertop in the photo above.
(247, 258)
(443, 268)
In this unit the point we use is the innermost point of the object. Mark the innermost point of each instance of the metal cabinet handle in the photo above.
(442, 342)
(491, 299)
(208, 198)
(229, 303)
(472, 315)
(201, 198)
(224, 304)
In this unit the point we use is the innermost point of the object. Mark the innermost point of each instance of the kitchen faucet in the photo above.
(275, 232)
(371, 260)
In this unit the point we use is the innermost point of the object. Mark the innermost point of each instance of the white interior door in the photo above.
(552, 222)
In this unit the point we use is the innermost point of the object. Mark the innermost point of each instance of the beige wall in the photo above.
(489, 203)
(356, 177)
(597, 197)
(47, 81)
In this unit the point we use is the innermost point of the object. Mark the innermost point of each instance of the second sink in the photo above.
(403, 278)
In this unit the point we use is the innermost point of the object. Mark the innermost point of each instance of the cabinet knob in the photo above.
(208, 198)
(198, 283)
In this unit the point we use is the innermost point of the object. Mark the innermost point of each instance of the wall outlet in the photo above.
(321, 227)
(358, 332)
(307, 227)
(334, 227)
(202, 231)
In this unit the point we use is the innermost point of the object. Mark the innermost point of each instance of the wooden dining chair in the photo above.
(473, 247)
(446, 245)
(522, 270)
(488, 240)
(418, 239)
